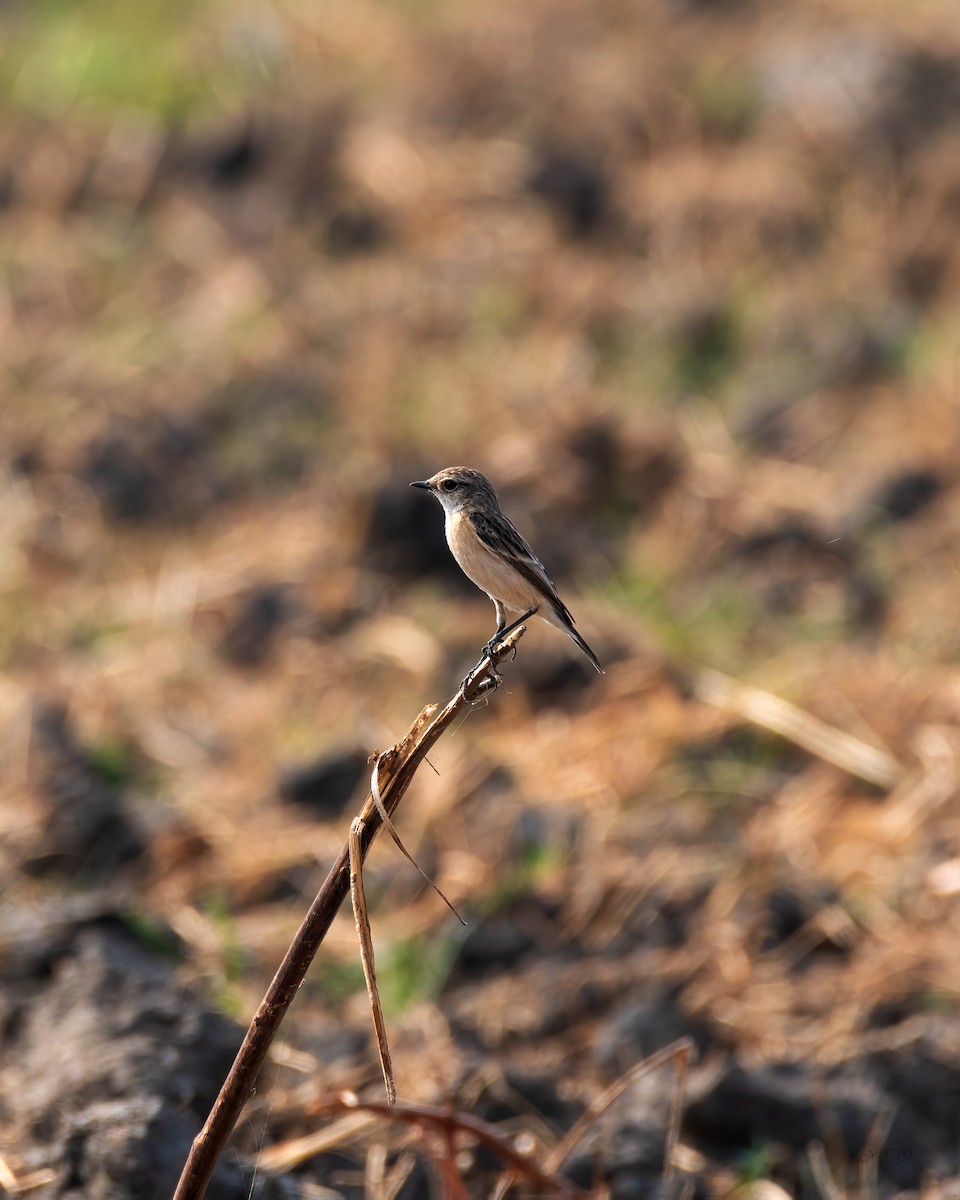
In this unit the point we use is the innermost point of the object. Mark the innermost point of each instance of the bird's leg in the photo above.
(488, 648)
(501, 623)
(503, 630)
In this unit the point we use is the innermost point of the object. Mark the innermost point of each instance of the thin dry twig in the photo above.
(361, 921)
(680, 1051)
(398, 1174)
(683, 1055)
(449, 1123)
(446, 1166)
(397, 768)
(869, 1157)
(771, 712)
(392, 830)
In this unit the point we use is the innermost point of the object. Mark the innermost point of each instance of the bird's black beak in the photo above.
(423, 484)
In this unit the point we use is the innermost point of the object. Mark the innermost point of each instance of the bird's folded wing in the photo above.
(499, 536)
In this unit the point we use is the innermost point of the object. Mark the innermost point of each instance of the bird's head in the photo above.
(459, 488)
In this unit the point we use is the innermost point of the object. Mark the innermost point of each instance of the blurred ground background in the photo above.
(679, 275)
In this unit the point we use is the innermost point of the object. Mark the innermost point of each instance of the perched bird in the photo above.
(495, 556)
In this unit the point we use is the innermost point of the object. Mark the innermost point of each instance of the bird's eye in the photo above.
(449, 485)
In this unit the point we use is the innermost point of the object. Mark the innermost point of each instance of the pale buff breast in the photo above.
(499, 580)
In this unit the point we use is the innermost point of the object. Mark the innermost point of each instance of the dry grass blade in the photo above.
(820, 1170)
(25, 1183)
(452, 1185)
(374, 1172)
(682, 1056)
(365, 937)
(378, 1182)
(397, 768)
(287, 1155)
(449, 1123)
(833, 745)
(392, 830)
(680, 1052)
(397, 1175)
(503, 1185)
(870, 1155)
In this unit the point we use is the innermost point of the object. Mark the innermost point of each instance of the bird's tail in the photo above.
(586, 649)
(563, 620)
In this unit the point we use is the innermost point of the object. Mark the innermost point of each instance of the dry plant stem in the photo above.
(398, 1175)
(453, 1186)
(447, 1121)
(362, 923)
(684, 1052)
(680, 1052)
(397, 768)
(870, 1159)
(365, 937)
(392, 830)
